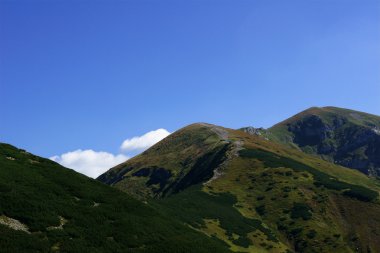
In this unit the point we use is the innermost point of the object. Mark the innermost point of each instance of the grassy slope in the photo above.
(189, 149)
(279, 132)
(41, 194)
(269, 191)
(328, 112)
(269, 198)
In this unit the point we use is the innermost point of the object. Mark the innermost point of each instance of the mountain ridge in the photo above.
(343, 136)
(289, 201)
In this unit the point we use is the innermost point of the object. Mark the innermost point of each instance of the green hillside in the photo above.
(45, 207)
(346, 137)
(260, 196)
(186, 157)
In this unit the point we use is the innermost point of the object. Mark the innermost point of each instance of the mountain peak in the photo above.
(347, 137)
(199, 147)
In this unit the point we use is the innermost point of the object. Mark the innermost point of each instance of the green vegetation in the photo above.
(361, 193)
(301, 210)
(321, 179)
(189, 156)
(194, 206)
(41, 194)
(260, 210)
(262, 196)
(242, 241)
(311, 234)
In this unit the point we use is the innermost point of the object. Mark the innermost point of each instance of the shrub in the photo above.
(301, 210)
(260, 210)
(361, 193)
(242, 241)
(295, 232)
(311, 234)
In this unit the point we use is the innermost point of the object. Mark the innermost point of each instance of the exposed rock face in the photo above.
(311, 131)
(13, 223)
(262, 132)
(253, 130)
(348, 145)
(345, 137)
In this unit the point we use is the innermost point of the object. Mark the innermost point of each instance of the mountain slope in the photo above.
(346, 137)
(185, 158)
(45, 207)
(260, 196)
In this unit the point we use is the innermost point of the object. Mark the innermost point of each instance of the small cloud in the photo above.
(140, 143)
(93, 163)
(89, 162)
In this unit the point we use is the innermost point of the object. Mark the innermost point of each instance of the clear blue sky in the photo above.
(89, 74)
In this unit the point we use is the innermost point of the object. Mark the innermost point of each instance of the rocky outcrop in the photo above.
(262, 132)
(13, 224)
(253, 130)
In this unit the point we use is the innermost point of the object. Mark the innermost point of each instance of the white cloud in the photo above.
(89, 162)
(93, 163)
(144, 141)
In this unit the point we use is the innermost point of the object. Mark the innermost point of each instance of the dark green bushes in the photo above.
(361, 193)
(242, 241)
(260, 210)
(272, 160)
(301, 210)
(37, 193)
(193, 206)
(311, 234)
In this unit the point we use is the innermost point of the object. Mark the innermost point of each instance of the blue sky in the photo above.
(90, 74)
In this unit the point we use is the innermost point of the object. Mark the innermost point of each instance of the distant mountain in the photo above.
(345, 137)
(45, 207)
(253, 193)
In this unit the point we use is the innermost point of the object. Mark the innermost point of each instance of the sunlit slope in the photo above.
(260, 196)
(45, 207)
(186, 157)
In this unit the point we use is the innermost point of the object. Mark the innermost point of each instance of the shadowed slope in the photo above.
(346, 137)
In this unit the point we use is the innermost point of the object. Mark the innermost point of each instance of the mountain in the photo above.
(254, 194)
(45, 207)
(345, 137)
(186, 157)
